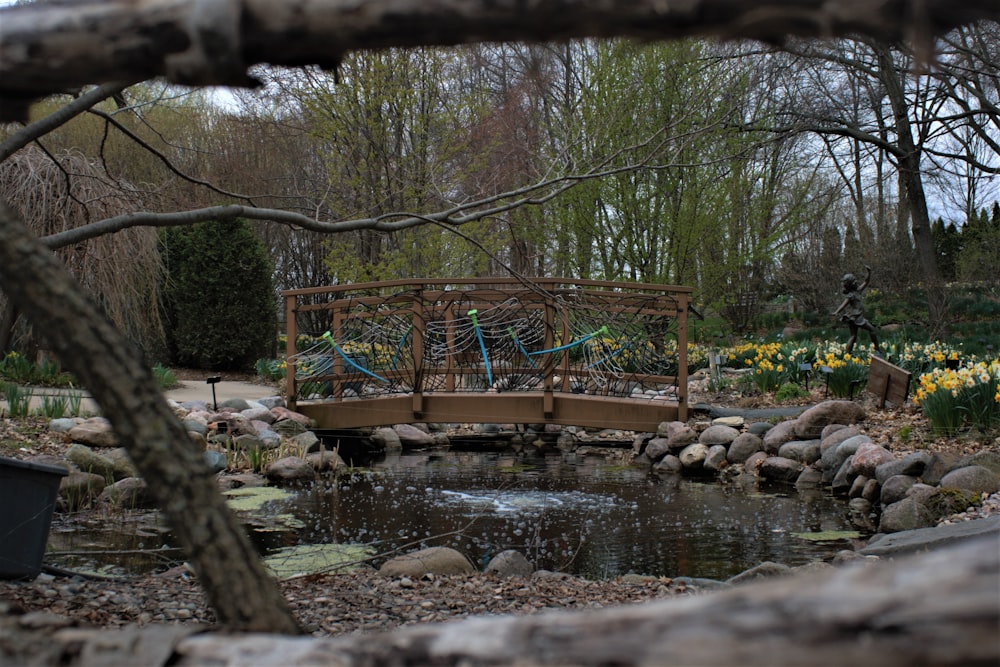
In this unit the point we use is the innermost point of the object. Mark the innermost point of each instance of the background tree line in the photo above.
(743, 171)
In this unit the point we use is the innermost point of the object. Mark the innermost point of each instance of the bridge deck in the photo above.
(637, 414)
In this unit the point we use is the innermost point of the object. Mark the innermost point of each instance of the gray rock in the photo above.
(123, 464)
(743, 446)
(872, 491)
(867, 457)
(325, 461)
(433, 560)
(269, 438)
(657, 448)
(857, 486)
(701, 583)
(128, 493)
(765, 570)
(833, 458)
(716, 458)
(971, 478)
(305, 440)
(921, 492)
(237, 404)
(387, 438)
(440, 440)
(290, 469)
(87, 460)
(63, 424)
(248, 443)
(217, 461)
(79, 489)
(195, 426)
(510, 563)
(282, 413)
(860, 506)
(733, 421)
(922, 539)
(907, 514)
(754, 461)
(693, 456)
(759, 428)
(411, 436)
(810, 423)
(261, 414)
(841, 481)
(680, 435)
(271, 402)
(94, 432)
(803, 451)
(669, 464)
(836, 434)
(986, 459)
(895, 488)
(779, 435)
(780, 469)
(940, 465)
(911, 465)
(718, 435)
(288, 428)
(809, 478)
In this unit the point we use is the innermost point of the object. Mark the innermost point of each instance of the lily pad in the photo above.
(311, 558)
(248, 499)
(828, 535)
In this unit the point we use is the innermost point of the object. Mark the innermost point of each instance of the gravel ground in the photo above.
(329, 605)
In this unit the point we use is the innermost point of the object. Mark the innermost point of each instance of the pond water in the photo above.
(564, 512)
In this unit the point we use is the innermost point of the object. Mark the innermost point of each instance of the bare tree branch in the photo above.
(47, 48)
(61, 116)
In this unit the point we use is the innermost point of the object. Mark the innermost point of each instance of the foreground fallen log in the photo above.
(941, 608)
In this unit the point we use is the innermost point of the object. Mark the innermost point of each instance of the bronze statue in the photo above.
(853, 309)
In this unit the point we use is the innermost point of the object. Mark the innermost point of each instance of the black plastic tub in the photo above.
(28, 494)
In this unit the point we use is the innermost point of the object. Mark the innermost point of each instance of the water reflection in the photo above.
(575, 515)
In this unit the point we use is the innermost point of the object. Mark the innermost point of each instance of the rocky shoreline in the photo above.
(896, 492)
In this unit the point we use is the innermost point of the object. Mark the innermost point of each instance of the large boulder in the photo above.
(128, 493)
(743, 446)
(895, 489)
(804, 451)
(971, 478)
(693, 456)
(433, 560)
(911, 465)
(387, 438)
(510, 563)
(290, 469)
(657, 448)
(810, 423)
(868, 457)
(718, 435)
(778, 435)
(87, 460)
(79, 489)
(907, 514)
(780, 469)
(95, 432)
(412, 436)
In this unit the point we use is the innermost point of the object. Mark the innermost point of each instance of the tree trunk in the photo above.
(239, 588)
(911, 180)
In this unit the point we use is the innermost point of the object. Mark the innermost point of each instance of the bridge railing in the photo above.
(492, 335)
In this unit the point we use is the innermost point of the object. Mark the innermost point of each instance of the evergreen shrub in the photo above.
(219, 304)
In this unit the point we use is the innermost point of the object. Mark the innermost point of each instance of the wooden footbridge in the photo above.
(549, 351)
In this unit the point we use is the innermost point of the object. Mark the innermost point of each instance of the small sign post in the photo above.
(888, 382)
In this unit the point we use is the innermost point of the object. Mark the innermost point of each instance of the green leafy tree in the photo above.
(219, 301)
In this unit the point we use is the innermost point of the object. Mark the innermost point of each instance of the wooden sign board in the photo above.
(888, 382)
